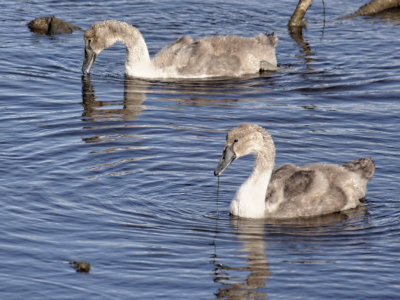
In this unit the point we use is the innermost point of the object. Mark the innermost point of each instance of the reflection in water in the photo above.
(349, 218)
(253, 236)
(95, 110)
(216, 92)
(305, 46)
(97, 113)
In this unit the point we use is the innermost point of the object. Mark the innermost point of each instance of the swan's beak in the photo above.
(88, 60)
(228, 156)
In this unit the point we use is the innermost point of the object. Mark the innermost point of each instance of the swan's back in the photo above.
(218, 55)
(317, 189)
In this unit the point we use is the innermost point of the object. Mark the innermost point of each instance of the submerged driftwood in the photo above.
(51, 25)
(374, 7)
(296, 22)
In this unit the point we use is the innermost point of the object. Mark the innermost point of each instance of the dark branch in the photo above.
(373, 7)
(296, 22)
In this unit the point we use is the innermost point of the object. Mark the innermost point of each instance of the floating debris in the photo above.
(51, 25)
(80, 266)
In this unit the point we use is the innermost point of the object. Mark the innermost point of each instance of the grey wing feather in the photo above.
(298, 183)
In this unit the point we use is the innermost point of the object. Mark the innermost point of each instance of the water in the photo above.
(118, 172)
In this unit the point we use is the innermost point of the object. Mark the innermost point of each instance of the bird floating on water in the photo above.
(209, 56)
(290, 191)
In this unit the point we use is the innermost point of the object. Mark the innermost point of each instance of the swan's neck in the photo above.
(137, 60)
(249, 201)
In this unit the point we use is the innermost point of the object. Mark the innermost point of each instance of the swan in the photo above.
(290, 191)
(184, 58)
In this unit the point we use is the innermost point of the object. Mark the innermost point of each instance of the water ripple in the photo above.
(119, 171)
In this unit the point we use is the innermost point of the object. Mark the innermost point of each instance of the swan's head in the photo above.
(243, 140)
(99, 37)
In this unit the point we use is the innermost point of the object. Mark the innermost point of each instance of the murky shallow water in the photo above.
(119, 172)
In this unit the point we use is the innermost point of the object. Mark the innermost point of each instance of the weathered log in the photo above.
(296, 22)
(373, 7)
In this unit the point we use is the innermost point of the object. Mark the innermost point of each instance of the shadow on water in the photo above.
(254, 236)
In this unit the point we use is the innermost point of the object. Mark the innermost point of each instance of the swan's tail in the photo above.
(363, 166)
(273, 39)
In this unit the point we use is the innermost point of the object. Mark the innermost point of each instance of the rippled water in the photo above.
(118, 172)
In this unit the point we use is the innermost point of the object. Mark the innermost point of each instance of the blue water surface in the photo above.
(118, 171)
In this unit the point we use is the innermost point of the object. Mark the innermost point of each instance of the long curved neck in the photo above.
(137, 55)
(249, 201)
